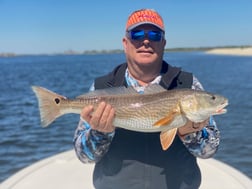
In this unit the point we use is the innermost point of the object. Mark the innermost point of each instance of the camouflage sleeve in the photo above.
(204, 143)
(90, 145)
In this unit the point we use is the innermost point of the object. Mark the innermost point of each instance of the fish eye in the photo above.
(213, 97)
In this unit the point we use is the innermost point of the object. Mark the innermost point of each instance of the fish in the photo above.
(157, 110)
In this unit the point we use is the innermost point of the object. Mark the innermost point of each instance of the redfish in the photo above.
(157, 110)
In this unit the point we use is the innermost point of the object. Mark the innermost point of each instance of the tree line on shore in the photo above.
(116, 51)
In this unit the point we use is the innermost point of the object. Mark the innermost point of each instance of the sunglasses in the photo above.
(139, 35)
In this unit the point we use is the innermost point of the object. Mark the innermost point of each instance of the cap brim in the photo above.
(142, 23)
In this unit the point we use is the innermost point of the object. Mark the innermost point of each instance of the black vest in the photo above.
(135, 160)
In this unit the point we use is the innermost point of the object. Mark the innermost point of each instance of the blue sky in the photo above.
(52, 26)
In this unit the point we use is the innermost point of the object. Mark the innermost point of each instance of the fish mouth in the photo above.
(221, 109)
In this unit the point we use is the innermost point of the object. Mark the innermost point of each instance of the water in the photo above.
(23, 141)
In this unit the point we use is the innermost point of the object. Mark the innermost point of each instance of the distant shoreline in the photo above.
(227, 50)
(247, 51)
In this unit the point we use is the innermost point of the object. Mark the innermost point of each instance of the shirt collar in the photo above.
(134, 83)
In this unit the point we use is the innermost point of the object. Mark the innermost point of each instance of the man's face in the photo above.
(144, 51)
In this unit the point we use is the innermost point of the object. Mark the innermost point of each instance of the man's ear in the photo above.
(124, 42)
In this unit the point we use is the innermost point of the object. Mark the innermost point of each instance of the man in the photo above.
(135, 160)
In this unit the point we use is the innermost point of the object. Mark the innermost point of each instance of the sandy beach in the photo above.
(232, 51)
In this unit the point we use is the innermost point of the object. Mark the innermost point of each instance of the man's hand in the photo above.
(191, 127)
(101, 119)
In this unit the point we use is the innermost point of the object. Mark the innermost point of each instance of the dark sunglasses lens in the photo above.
(137, 35)
(155, 35)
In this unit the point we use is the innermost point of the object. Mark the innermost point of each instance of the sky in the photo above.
(55, 26)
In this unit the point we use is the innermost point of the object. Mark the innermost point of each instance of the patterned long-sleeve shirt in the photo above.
(90, 145)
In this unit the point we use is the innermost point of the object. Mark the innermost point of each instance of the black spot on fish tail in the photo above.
(57, 100)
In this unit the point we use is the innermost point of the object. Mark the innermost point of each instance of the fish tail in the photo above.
(49, 105)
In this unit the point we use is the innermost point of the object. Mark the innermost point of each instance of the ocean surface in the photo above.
(23, 141)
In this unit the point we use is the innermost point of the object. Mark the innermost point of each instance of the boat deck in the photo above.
(65, 171)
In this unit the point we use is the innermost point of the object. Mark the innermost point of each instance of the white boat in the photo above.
(65, 171)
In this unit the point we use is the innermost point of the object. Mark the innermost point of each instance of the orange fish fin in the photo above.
(167, 137)
(169, 118)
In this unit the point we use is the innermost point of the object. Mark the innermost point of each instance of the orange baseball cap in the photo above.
(144, 16)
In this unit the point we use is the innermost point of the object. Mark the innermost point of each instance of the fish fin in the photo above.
(169, 118)
(155, 88)
(167, 137)
(49, 105)
(151, 89)
(109, 92)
